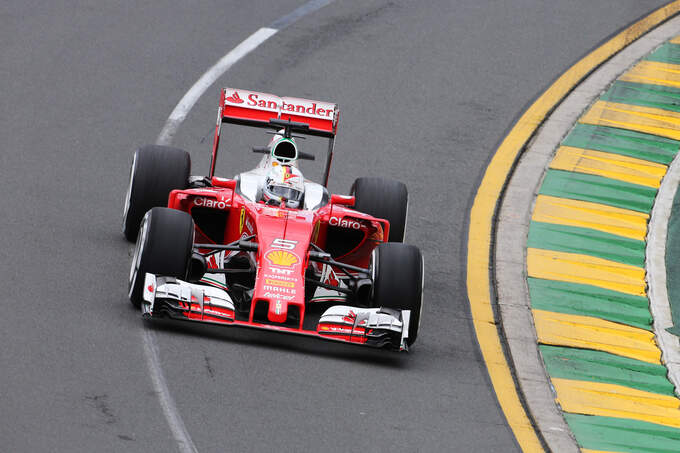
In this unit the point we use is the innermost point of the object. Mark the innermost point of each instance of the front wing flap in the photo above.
(376, 327)
(179, 299)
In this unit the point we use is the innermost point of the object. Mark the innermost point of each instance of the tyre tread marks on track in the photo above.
(585, 263)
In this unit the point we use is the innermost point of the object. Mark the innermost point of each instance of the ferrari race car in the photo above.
(270, 249)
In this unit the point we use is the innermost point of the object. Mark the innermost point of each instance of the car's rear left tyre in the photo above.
(155, 172)
(397, 273)
(164, 245)
(385, 199)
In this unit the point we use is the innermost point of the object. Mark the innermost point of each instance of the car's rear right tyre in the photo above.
(397, 273)
(385, 199)
(164, 245)
(155, 172)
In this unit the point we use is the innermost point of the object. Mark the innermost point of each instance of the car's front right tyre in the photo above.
(155, 172)
(164, 246)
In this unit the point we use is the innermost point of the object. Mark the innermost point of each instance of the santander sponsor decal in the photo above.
(235, 98)
(293, 106)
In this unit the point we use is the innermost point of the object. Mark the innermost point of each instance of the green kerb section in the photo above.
(668, 53)
(659, 97)
(585, 241)
(597, 189)
(598, 366)
(586, 300)
(620, 141)
(622, 435)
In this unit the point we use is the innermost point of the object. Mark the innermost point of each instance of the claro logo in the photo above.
(210, 203)
(344, 223)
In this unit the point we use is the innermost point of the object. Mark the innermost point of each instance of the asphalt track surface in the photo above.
(426, 89)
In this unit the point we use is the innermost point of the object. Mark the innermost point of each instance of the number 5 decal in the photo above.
(284, 244)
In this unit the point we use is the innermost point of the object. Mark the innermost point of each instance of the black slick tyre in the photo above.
(155, 172)
(397, 274)
(164, 245)
(385, 199)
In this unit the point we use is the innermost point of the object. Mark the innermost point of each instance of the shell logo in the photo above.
(282, 258)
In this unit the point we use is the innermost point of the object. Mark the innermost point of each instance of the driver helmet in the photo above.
(284, 183)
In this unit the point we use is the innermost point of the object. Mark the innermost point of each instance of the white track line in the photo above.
(211, 75)
(179, 113)
(175, 422)
(179, 431)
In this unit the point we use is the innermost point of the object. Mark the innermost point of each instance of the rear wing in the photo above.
(252, 108)
(256, 109)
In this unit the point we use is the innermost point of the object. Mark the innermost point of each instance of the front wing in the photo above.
(174, 298)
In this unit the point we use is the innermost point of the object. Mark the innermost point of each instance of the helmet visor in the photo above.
(286, 192)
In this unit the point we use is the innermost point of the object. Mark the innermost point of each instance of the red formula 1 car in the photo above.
(270, 249)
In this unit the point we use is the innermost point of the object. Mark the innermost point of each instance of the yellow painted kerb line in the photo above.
(482, 214)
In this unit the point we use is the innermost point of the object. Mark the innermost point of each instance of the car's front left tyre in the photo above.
(164, 245)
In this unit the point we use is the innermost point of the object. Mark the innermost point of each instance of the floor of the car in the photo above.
(313, 313)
